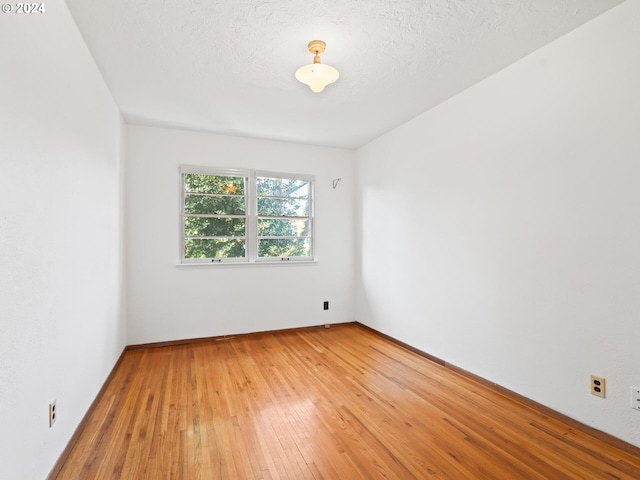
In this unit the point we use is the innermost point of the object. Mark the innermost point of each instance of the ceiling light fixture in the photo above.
(317, 75)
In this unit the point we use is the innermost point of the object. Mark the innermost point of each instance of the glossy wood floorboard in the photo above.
(339, 403)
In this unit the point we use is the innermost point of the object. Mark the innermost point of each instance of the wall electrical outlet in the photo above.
(597, 386)
(635, 398)
(52, 413)
(325, 305)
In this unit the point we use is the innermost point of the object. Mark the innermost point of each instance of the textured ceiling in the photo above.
(228, 66)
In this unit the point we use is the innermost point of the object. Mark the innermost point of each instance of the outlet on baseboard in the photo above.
(597, 386)
(52, 413)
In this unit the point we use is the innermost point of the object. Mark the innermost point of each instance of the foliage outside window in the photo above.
(243, 216)
(215, 216)
(284, 218)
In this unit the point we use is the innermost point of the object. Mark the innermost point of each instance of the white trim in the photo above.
(288, 176)
(261, 263)
(223, 172)
(252, 223)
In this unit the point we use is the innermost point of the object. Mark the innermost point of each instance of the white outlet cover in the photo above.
(635, 398)
(52, 413)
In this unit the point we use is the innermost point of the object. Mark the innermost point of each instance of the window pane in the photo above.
(279, 227)
(282, 187)
(224, 205)
(214, 227)
(279, 207)
(213, 184)
(284, 247)
(214, 248)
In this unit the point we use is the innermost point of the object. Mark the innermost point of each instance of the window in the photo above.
(284, 217)
(245, 216)
(214, 219)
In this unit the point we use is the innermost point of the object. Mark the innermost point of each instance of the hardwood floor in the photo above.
(339, 403)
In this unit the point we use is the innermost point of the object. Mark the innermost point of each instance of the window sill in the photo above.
(246, 264)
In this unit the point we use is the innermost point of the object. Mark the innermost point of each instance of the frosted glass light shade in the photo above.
(317, 76)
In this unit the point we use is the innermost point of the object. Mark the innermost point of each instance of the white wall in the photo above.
(500, 231)
(167, 302)
(61, 324)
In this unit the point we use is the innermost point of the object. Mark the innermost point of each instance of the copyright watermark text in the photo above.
(23, 8)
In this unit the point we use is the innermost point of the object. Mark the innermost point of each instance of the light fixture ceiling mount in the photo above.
(317, 75)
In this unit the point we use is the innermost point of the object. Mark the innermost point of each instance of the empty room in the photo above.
(320, 240)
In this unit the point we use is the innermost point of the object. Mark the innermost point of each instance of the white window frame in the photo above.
(217, 172)
(254, 191)
(251, 223)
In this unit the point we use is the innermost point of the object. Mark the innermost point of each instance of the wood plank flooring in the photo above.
(339, 403)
